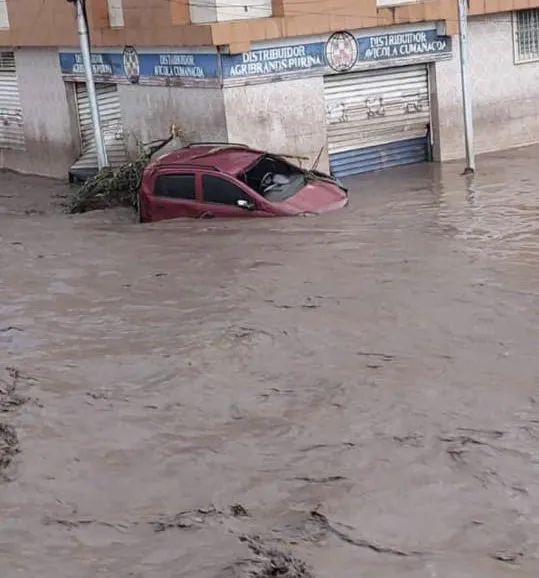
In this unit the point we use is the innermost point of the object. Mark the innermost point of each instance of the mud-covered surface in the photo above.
(355, 395)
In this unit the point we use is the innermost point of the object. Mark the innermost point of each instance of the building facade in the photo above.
(358, 87)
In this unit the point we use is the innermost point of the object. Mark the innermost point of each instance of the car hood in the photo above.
(316, 197)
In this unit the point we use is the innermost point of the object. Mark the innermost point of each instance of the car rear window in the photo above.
(175, 186)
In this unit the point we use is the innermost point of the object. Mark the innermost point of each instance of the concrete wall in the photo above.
(149, 111)
(50, 148)
(505, 94)
(284, 117)
(234, 10)
(224, 10)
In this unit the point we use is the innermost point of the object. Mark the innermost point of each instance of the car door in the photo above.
(174, 194)
(221, 194)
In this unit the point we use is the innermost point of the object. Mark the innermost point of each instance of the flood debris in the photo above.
(309, 303)
(238, 511)
(197, 517)
(374, 354)
(10, 328)
(320, 480)
(325, 524)
(509, 556)
(116, 187)
(413, 439)
(186, 520)
(459, 444)
(10, 398)
(9, 446)
(72, 523)
(271, 562)
(491, 433)
(344, 445)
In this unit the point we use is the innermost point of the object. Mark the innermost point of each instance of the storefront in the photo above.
(380, 117)
(110, 113)
(377, 119)
(117, 72)
(360, 101)
(374, 87)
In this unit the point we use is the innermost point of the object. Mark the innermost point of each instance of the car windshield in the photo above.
(274, 179)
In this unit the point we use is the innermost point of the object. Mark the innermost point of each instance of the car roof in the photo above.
(231, 159)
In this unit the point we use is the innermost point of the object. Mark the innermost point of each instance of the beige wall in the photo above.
(50, 146)
(149, 111)
(285, 117)
(505, 95)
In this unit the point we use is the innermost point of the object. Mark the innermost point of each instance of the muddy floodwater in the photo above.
(358, 391)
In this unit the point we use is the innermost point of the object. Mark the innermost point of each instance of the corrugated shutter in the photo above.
(111, 125)
(377, 119)
(11, 123)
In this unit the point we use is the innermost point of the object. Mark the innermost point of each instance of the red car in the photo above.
(207, 180)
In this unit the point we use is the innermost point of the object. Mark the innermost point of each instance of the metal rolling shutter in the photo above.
(11, 123)
(377, 119)
(111, 124)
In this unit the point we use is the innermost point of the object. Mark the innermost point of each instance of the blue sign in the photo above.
(402, 45)
(342, 52)
(133, 66)
(274, 61)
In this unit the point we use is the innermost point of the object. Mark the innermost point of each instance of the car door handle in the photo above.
(207, 215)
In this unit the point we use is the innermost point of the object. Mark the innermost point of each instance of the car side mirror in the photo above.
(247, 205)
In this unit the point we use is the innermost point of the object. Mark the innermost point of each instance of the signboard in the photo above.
(402, 45)
(343, 51)
(133, 66)
(279, 60)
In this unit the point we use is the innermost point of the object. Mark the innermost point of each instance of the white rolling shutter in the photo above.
(11, 122)
(377, 118)
(111, 125)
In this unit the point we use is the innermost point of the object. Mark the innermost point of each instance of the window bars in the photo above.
(526, 25)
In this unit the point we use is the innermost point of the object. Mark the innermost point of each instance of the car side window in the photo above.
(222, 191)
(175, 186)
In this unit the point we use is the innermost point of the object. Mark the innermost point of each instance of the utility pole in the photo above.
(466, 87)
(82, 27)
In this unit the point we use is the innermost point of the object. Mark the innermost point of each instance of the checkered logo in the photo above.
(341, 51)
(131, 64)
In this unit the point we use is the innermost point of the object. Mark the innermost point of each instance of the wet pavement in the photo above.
(361, 388)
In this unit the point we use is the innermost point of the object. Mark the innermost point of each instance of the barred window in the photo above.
(526, 29)
(116, 13)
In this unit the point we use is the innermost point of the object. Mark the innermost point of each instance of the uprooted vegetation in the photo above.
(268, 562)
(10, 399)
(9, 446)
(116, 187)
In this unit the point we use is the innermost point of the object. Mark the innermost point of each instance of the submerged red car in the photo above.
(207, 180)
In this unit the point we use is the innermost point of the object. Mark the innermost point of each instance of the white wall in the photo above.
(238, 10)
(50, 147)
(149, 111)
(222, 10)
(505, 95)
(287, 117)
(202, 12)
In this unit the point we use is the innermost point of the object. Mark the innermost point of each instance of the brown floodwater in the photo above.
(364, 384)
